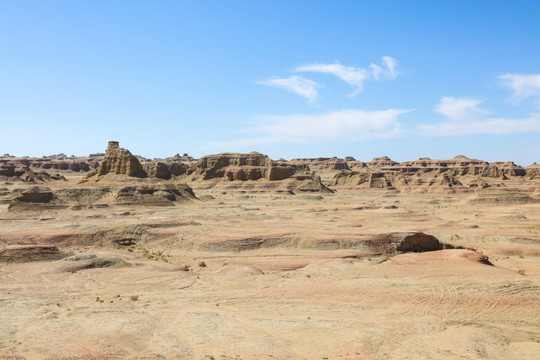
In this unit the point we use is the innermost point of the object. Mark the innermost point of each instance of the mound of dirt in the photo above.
(29, 253)
(464, 256)
(494, 195)
(92, 261)
(235, 270)
(43, 198)
(34, 198)
(161, 194)
(238, 243)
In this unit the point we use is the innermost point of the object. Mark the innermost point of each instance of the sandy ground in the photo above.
(274, 276)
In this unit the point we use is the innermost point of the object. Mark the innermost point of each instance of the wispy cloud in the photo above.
(376, 71)
(351, 75)
(391, 65)
(523, 85)
(297, 84)
(346, 125)
(460, 109)
(465, 117)
(355, 76)
(495, 126)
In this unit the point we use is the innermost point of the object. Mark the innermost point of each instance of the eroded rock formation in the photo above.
(17, 172)
(40, 198)
(119, 161)
(500, 196)
(34, 198)
(29, 253)
(255, 166)
(240, 171)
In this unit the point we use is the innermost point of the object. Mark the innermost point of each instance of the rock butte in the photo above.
(239, 256)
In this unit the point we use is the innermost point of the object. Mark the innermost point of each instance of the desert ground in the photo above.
(240, 273)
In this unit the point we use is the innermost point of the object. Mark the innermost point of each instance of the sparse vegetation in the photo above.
(202, 264)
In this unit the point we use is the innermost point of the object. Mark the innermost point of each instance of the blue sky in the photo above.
(406, 79)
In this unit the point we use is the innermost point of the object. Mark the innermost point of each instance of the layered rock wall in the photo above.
(120, 161)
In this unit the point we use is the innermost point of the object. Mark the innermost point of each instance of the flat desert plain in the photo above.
(271, 275)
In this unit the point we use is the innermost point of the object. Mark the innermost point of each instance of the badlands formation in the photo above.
(238, 256)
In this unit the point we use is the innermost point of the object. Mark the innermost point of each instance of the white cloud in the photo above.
(465, 117)
(355, 76)
(460, 109)
(376, 70)
(494, 126)
(296, 84)
(351, 75)
(524, 86)
(391, 65)
(344, 125)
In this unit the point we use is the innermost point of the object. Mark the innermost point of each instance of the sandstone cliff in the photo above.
(254, 166)
(118, 161)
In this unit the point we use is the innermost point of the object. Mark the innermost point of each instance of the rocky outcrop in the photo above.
(29, 253)
(401, 242)
(229, 166)
(456, 167)
(157, 169)
(303, 174)
(164, 194)
(356, 165)
(118, 161)
(8, 170)
(500, 196)
(48, 163)
(459, 174)
(366, 179)
(379, 180)
(280, 176)
(43, 198)
(280, 172)
(17, 172)
(169, 167)
(462, 166)
(322, 164)
(509, 168)
(381, 163)
(91, 261)
(533, 171)
(36, 194)
(252, 166)
(65, 165)
(186, 159)
(34, 198)
(398, 181)
(385, 245)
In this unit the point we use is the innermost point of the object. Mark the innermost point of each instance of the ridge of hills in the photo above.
(257, 172)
